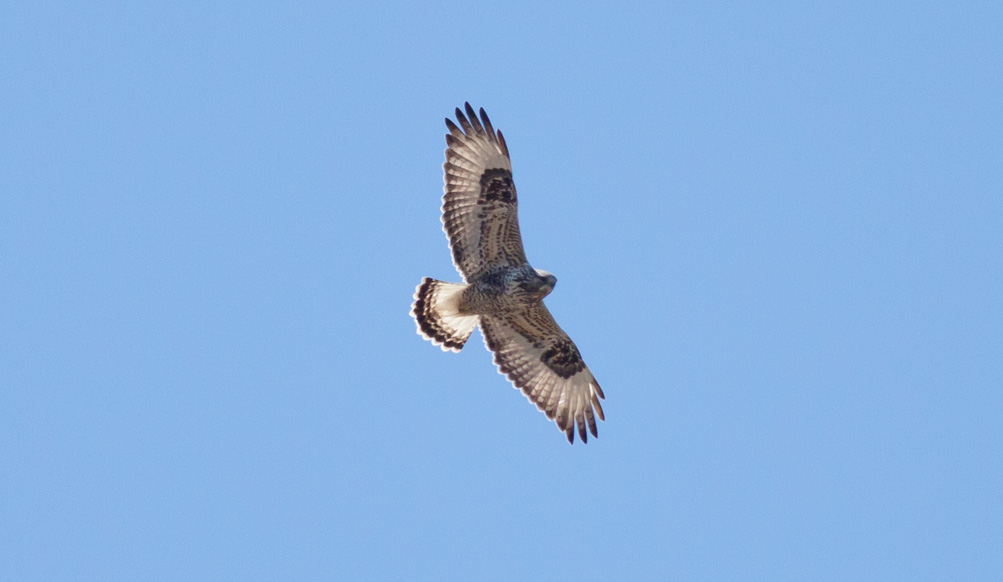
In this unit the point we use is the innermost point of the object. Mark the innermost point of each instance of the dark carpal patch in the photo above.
(563, 358)
(496, 185)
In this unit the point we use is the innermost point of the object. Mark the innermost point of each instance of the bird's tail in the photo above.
(436, 310)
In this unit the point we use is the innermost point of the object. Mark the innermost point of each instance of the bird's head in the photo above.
(547, 283)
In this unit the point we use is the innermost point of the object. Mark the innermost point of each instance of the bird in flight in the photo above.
(501, 292)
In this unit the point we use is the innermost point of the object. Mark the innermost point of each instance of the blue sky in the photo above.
(778, 231)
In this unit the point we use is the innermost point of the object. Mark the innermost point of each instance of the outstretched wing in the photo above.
(479, 203)
(542, 361)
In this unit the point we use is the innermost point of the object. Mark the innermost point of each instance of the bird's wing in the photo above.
(542, 361)
(479, 201)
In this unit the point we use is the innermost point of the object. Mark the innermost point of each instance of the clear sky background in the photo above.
(778, 231)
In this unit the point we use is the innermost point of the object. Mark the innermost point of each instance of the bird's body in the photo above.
(501, 292)
(496, 292)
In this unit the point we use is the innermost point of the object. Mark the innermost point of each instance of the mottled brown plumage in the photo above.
(501, 292)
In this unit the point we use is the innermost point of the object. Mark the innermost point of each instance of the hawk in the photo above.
(501, 292)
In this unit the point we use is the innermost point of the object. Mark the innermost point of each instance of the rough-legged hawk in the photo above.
(501, 291)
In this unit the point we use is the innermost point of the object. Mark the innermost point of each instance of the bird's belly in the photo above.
(492, 300)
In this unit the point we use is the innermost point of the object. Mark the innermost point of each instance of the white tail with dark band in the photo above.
(436, 310)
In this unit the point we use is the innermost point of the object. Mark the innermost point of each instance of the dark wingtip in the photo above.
(501, 141)
(473, 119)
(461, 119)
(488, 128)
(570, 433)
(598, 409)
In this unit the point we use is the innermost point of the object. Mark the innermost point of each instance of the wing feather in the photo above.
(535, 354)
(479, 203)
